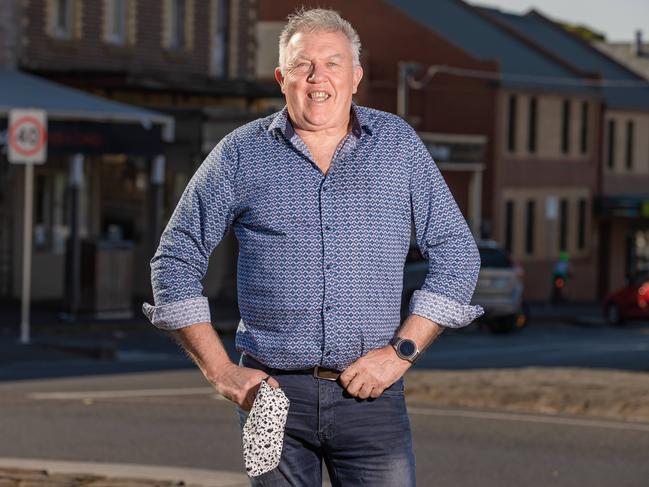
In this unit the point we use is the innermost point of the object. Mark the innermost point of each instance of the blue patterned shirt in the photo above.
(321, 256)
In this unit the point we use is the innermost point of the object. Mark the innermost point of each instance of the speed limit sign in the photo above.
(27, 136)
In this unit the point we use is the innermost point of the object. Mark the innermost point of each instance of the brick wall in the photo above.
(9, 25)
(87, 50)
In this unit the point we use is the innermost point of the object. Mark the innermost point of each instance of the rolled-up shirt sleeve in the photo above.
(444, 238)
(198, 223)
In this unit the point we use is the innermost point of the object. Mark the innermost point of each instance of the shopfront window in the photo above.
(51, 212)
(640, 260)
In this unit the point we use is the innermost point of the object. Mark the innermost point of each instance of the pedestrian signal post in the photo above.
(27, 145)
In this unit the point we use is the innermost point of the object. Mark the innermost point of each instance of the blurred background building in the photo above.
(541, 155)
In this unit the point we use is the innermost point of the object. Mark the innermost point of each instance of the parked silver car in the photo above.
(499, 289)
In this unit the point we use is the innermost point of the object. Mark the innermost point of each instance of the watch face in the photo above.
(407, 348)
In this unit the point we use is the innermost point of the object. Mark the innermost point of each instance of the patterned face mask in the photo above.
(263, 432)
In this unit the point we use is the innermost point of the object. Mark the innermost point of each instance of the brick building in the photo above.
(622, 197)
(461, 145)
(537, 164)
(191, 59)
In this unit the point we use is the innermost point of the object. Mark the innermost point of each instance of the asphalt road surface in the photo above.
(551, 344)
(174, 418)
(152, 406)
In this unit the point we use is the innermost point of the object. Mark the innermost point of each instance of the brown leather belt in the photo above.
(325, 373)
(318, 371)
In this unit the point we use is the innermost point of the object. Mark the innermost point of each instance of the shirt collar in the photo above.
(360, 122)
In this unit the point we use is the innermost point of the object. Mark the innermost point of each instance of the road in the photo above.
(172, 418)
(152, 406)
(552, 344)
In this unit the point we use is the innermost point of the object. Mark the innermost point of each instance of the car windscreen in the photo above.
(494, 258)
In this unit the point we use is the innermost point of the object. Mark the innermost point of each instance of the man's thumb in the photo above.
(272, 382)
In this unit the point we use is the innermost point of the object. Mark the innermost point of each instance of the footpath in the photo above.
(15, 472)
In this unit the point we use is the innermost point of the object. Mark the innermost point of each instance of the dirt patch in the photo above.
(578, 391)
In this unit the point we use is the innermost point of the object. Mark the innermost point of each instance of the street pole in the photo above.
(76, 180)
(157, 181)
(27, 253)
(402, 89)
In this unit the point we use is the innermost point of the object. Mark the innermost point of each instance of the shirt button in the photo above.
(328, 227)
(328, 307)
(327, 353)
(329, 266)
(324, 188)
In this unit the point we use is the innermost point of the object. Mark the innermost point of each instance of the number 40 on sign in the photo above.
(27, 137)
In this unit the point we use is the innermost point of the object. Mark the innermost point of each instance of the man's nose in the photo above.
(317, 73)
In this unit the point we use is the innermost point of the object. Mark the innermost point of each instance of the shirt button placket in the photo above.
(326, 212)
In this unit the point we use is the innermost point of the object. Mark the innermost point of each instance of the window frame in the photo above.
(628, 151)
(532, 120)
(564, 216)
(177, 26)
(566, 108)
(512, 111)
(530, 223)
(510, 217)
(56, 29)
(610, 140)
(112, 36)
(583, 137)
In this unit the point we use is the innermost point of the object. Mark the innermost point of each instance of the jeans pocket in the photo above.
(396, 389)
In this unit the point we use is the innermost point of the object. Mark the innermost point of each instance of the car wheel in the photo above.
(613, 316)
(502, 325)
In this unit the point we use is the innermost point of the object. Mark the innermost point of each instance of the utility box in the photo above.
(107, 278)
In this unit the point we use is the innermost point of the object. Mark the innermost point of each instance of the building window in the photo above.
(177, 18)
(178, 24)
(116, 28)
(583, 143)
(51, 212)
(529, 227)
(531, 135)
(581, 224)
(563, 225)
(629, 144)
(511, 127)
(120, 22)
(509, 226)
(61, 18)
(220, 30)
(565, 127)
(611, 144)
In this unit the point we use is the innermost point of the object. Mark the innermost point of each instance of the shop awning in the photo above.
(81, 122)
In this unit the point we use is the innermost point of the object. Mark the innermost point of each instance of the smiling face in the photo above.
(319, 80)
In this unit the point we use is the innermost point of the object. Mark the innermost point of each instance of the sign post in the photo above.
(27, 142)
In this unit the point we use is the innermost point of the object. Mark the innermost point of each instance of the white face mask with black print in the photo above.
(263, 432)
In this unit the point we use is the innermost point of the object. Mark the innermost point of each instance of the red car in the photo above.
(630, 302)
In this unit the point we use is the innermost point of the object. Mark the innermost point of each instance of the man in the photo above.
(321, 196)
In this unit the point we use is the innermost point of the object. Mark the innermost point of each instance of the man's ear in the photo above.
(356, 78)
(279, 77)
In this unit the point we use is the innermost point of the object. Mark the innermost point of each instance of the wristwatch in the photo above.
(405, 348)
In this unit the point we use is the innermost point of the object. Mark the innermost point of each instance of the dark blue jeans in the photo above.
(363, 442)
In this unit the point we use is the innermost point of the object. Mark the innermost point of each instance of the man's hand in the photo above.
(374, 372)
(240, 384)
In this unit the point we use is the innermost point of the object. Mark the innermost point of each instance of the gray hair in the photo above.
(318, 20)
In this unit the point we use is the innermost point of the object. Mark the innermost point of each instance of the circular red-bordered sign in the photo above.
(34, 126)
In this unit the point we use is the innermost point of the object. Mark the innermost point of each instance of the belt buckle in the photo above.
(325, 373)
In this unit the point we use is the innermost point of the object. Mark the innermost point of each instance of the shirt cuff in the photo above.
(442, 310)
(180, 314)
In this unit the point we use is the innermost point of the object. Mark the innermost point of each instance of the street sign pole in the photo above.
(27, 144)
(27, 253)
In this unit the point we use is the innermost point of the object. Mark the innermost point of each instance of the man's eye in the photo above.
(332, 65)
